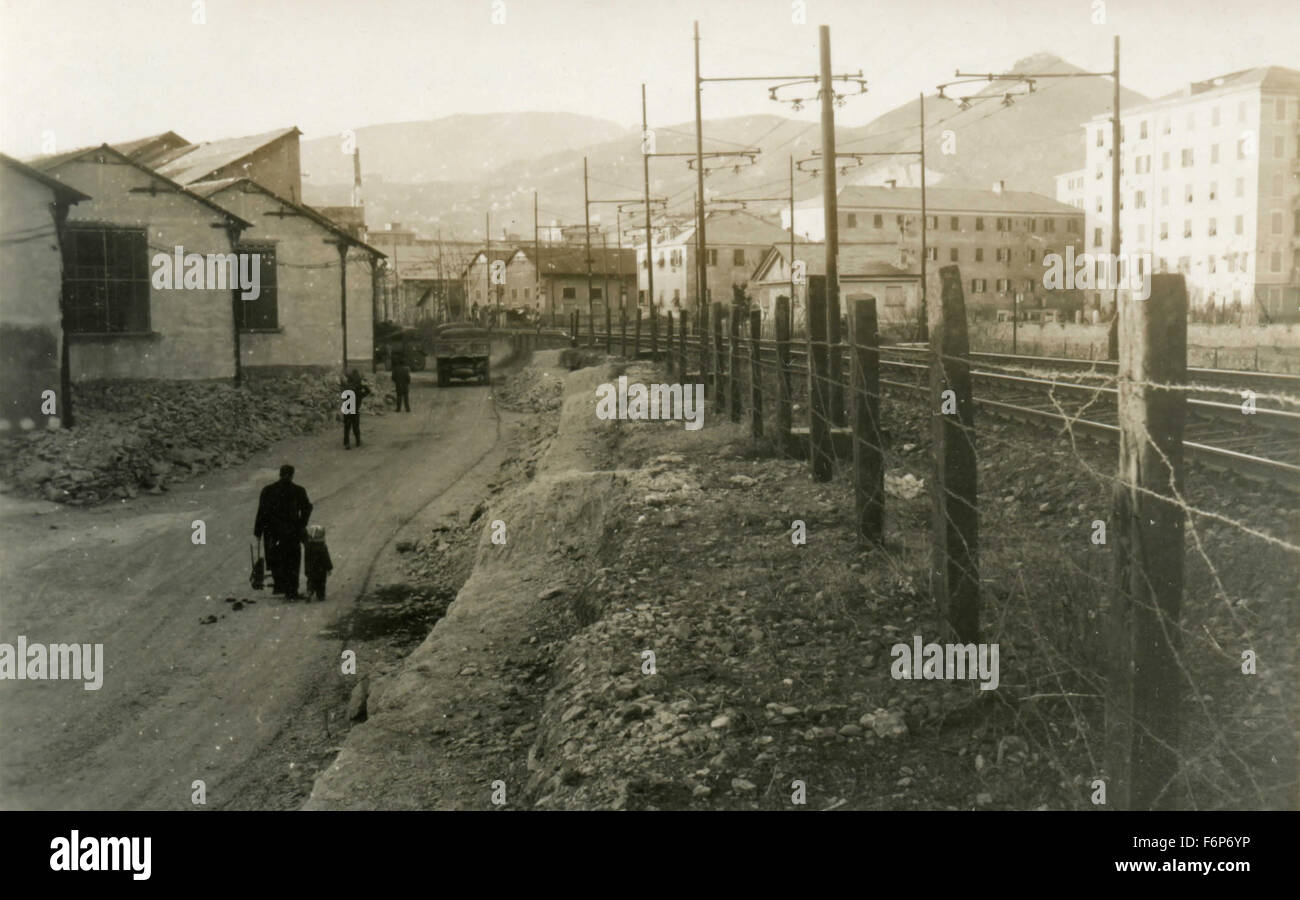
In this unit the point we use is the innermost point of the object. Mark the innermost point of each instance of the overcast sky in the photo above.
(88, 71)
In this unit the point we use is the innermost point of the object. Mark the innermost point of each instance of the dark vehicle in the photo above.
(462, 352)
(406, 344)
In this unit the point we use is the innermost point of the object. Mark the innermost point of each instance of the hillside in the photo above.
(455, 148)
(1025, 144)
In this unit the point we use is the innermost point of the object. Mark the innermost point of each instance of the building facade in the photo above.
(33, 209)
(1209, 188)
(1002, 240)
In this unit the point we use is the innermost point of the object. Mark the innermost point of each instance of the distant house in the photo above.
(427, 294)
(297, 321)
(480, 293)
(737, 241)
(33, 210)
(865, 269)
(118, 323)
(559, 285)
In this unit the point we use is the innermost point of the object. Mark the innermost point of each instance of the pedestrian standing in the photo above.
(283, 511)
(316, 562)
(402, 384)
(352, 420)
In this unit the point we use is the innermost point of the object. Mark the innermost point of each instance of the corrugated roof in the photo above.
(141, 149)
(200, 160)
(943, 200)
(573, 260)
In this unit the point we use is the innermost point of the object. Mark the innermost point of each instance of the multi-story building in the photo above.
(1209, 187)
(1072, 188)
(1001, 239)
(559, 285)
(737, 242)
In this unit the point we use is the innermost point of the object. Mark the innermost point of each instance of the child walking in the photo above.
(316, 561)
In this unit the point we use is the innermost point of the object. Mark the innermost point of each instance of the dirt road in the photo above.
(181, 700)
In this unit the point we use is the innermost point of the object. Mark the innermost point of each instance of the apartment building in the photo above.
(1210, 188)
(999, 238)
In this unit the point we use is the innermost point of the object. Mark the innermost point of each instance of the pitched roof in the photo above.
(1268, 78)
(571, 260)
(736, 226)
(68, 193)
(218, 186)
(49, 164)
(952, 199)
(141, 149)
(856, 260)
(197, 161)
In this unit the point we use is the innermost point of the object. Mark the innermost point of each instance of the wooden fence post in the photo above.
(668, 342)
(609, 337)
(733, 360)
(702, 338)
(820, 450)
(1144, 683)
(868, 447)
(755, 373)
(681, 344)
(954, 567)
(636, 336)
(784, 381)
(835, 335)
(622, 327)
(654, 333)
(573, 329)
(720, 379)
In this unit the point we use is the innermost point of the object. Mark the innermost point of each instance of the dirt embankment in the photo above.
(650, 635)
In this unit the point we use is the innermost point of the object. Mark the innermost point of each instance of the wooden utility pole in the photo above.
(586, 213)
(954, 567)
(702, 272)
(537, 263)
(649, 236)
(1145, 683)
(925, 250)
(831, 219)
(343, 299)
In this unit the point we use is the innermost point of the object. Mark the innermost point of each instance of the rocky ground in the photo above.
(140, 436)
(653, 637)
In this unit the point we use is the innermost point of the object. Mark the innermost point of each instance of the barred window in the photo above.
(106, 280)
(262, 314)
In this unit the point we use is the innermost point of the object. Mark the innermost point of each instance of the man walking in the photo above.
(402, 384)
(352, 420)
(283, 511)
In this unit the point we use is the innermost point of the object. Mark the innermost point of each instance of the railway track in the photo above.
(1079, 395)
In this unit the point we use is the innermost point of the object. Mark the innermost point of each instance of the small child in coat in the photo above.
(316, 562)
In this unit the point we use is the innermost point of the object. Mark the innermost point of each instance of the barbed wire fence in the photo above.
(1170, 678)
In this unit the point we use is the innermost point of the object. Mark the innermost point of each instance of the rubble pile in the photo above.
(531, 390)
(140, 435)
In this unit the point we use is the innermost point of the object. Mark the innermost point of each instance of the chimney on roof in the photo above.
(394, 226)
(891, 183)
(999, 186)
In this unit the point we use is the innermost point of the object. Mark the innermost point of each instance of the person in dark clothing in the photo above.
(352, 420)
(316, 562)
(402, 384)
(282, 514)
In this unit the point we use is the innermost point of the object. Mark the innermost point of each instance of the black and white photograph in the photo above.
(443, 408)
